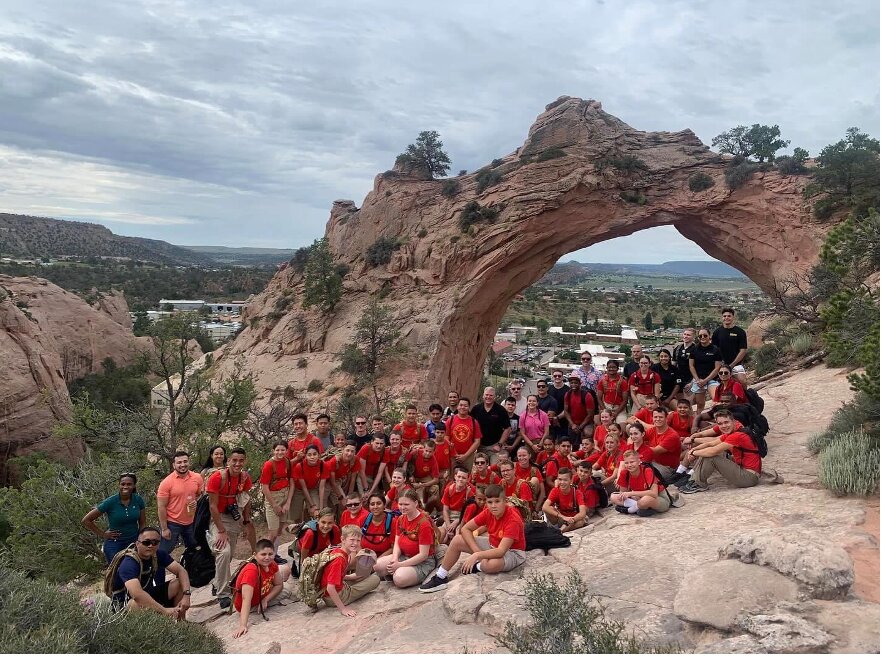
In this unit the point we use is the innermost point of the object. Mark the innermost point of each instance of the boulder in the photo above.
(823, 568)
(715, 594)
(785, 633)
(742, 644)
(463, 599)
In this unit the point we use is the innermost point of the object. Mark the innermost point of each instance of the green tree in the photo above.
(426, 155)
(647, 321)
(760, 142)
(847, 176)
(323, 285)
(368, 357)
(669, 320)
(141, 324)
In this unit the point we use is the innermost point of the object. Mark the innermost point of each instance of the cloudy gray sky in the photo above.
(239, 123)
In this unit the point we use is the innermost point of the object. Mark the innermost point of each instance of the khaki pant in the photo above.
(620, 418)
(300, 506)
(737, 476)
(468, 463)
(272, 519)
(666, 472)
(512, 558)
(222, 557)
(355, 591)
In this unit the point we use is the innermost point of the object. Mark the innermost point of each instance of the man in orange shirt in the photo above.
(176, 503)
(412, 432)
(465, 434)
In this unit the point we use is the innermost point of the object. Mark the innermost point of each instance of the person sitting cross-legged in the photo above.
(342, 588)
(640, 491)
(501, 550)
(565, 506)
(743, 469)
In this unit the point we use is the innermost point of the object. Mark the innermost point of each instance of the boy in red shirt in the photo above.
(473, 507)
(583, 482)
(465, 434)
(500, 550)
(644, 414)
(640, 492)
(412, 432)
(743, 469)
(665, 444)
(681, 418)
(327, 533)
(395, 456)
(342, 588)
(565, 506)
(372, 463)
(354, 512)
(263, 578)
(302, 439)
(481, 474)
(425, 474)
(278, 488)
(443, 453)
(453, 501)
(344, 470)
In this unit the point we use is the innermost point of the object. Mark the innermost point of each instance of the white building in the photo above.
(182, 305)
(220, 331)
(230, 307)
(159, 394)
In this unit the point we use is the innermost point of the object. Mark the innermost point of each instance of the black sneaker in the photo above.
(280, 561)
(622, 509)
(434, 584)
(646, 512)
(681, 479)
(225, 603)
(473, 570)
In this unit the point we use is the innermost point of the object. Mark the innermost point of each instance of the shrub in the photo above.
(487, 178)
(565, 620)
(454, 239)
(422, 233)
(861, 413)
(300, 257)
(801, 343)
(388, 193)
(315, 385)
(627, 163)
(790, 166)
(380, 252)
(738, 174)
(700, 182)
(496, 162)
(474, 213)
(817, 442)
(850, 464)
(463, 172)
(632, 196)
(301, 363)
(450, 188)
(765, 359)
(550, 153)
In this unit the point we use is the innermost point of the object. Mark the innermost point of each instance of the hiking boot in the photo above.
(646, 512)
(692, 487)
(622, 509)
(681, 479)
(434, 584)
(280, 561)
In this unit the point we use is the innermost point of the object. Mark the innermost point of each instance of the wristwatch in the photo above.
(187, 592)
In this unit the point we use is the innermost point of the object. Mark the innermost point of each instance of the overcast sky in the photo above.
(239, 123)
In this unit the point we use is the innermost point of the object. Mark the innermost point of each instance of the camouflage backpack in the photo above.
(113, 568)
(311, 570)
(522, 506)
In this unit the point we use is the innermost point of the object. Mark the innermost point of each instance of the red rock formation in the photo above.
(566, 188)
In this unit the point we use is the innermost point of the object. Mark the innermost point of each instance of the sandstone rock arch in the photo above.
(566, 188)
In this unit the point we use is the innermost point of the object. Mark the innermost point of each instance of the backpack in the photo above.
(540, 535)
(294, 547)
(199, 563)
(759, 441)
(273, 477)
(387, 526)
(232, 583)
(311, 591)
(522, 506)
(659, 479)
(113, 568)
(202, 521)
(602, 495)
(753, 422)
(332, 452)
(755, 399)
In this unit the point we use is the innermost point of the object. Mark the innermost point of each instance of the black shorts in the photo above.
(159, 594)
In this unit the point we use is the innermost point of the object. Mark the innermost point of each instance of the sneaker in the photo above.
(434, 584)
(681, 479)
(622, 509)
(646, 512)
(473, 570)
(693, 487)
(281, 561)
(226, 603)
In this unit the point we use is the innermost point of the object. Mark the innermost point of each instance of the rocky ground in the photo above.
(765, 569)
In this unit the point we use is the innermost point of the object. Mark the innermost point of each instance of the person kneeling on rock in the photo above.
(641, 493)
(501, 550)
(258, 584)
(342, 588)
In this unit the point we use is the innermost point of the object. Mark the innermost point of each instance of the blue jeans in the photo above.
(178, 531)
(113, 547)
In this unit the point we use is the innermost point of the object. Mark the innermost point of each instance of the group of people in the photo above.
(465, 481)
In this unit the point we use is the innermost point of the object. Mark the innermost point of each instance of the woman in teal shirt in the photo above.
(125, 517)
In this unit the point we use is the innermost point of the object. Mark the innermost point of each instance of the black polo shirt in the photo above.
(492, 422)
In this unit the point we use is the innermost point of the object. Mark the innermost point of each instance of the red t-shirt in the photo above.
(612, 391)
(733, 387)
(525, 474)
(510, 525)
(413, 533)
(249, 576)
(375, 537)
(335, 570)
(551, 468)
(519, 489)
(594, 457)
(346, 517)
(742, 458)
(589, 494)
(470, 513)
(456, 500)
(392, 496)
(645, 385)
(411, 434)
(297, 444)
(424, 467)
(669, 440)
(463, 433)
(567, 503)
(372, 459)
(235, 485)
(645, 452)
(311, 474)
(491, 478)
(683, 426)
(736, 425)
(395, 459)
(609, 461)
(644, 415)
(342, 470)
(443, 454)
(639, 483)
(577, 410)
(283, 474)
(325, 540)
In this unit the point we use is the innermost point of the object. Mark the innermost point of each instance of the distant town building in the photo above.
(181, 305)
(506, 337)
(501, 347)
(230, 307)
(159, 398)
(220, 331)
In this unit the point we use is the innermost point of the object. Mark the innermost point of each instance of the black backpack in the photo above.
(755, 399)
(759, 440)
(658, 477)
(602, 494)
(540, 535)
(202, 521)
(199, 563)
(752, 420)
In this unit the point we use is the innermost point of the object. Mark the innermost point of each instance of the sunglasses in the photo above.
(353, 505)
(541, 386)
(360, 423)
(150, 543)
(724, 373)
(586, 359)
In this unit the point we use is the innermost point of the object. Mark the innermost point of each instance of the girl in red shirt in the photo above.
(608, 463)
(413, 553)
(637, 442)
(730, 385)
(328, 534)
(525, 471)
(373, 529)
(310, 477)
(397, 486)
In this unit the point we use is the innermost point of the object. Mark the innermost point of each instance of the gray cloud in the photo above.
(239, 123)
